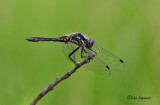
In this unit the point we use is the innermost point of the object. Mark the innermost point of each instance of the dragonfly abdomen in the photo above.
(37, 39)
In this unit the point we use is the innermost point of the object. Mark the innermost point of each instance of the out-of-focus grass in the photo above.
(129, 29)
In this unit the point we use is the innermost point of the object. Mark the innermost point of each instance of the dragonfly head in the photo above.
(89, 42)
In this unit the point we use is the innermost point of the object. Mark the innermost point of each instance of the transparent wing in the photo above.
(98, 67)
(108, 59)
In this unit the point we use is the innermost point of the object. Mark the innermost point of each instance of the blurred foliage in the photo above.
(127, 28)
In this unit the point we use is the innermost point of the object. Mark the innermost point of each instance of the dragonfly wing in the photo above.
(96, 66)
(111, 61)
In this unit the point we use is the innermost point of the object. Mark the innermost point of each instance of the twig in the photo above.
(59, 79)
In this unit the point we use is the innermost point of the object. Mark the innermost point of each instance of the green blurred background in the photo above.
(128, 28)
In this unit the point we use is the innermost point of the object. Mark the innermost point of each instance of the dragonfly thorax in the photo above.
(80, 40)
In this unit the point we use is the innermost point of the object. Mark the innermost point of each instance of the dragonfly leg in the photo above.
(82, 52)
(92, 50)
(73, 53)
(85, 50)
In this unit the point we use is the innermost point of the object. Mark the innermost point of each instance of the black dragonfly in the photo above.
(77, 47)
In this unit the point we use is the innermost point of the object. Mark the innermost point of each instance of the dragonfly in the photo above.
(77, 47)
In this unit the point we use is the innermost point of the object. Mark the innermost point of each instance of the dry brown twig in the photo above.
(59, 79)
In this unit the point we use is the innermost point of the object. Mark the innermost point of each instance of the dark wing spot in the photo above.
(121, 60)
(108, 67)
